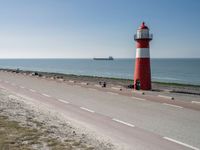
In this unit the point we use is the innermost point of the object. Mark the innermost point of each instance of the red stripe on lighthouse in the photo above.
(142, 44)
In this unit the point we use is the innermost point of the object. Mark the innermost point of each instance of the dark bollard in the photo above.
(104, 84)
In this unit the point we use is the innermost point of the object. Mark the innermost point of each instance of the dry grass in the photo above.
(15, 137)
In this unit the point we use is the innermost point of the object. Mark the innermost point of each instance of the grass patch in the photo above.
(15, 137)
(176, 84)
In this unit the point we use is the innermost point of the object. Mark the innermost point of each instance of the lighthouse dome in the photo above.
(143, 33)
(143, 26)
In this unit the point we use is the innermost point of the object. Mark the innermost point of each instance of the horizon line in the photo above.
(103, 57)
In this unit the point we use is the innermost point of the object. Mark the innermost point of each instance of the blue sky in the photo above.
(97, 28)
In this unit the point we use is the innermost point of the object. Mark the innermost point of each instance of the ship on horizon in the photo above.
(109, 58)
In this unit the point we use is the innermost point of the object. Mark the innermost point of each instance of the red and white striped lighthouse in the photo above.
(142, 74)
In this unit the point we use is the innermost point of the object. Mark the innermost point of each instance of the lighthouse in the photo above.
(142, 73)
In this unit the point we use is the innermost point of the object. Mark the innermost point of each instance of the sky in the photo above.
(97, 28)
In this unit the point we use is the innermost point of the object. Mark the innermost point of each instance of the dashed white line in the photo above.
(46, 95)
(22, 87)
(181, 143)
(112, 93)
(172, 105)
(84, 83)
(139, 92)
(71, 81)
(32, 90)
(7, 81)
(86, 109)
(13, 84)
(97, 85)
(63, 101)
(116, 88)
(195, 102)
(141, 99)
(167, 97)
(125, 123)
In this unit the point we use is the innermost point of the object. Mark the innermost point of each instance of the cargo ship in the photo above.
(109, 58)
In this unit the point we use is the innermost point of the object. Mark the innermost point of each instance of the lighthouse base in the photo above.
(142, 75)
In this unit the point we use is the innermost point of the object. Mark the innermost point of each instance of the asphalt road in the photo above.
(132, 122)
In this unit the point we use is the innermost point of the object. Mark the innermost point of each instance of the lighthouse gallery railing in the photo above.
(143, 36)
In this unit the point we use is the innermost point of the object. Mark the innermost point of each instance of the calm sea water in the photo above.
(165, 70)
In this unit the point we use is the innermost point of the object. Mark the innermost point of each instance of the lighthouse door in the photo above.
(138, 84)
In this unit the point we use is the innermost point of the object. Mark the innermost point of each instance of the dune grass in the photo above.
(15, 137)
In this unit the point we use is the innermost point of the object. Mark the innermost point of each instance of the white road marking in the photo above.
(13, 84)
(195, 102)
(166, 90)
(84, 83)
(116, 88)
(172, 105)
(63, 101)
(22, 87)
(46, 95)
(60, 79)
(167, 97)
(125, 123)
(140, 92)
(97, 85)
(112, 93)
(71, 81)
(32, 90)
(86, 109)
(7, 81)
(181, 143)
(141, 99)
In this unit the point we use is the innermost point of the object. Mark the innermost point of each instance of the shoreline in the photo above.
(96, 77)
(157, 86)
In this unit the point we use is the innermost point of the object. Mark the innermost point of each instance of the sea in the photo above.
(186, 71)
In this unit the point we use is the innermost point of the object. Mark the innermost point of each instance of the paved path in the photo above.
(134, 122)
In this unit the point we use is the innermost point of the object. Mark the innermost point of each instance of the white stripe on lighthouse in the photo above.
(142, 53)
